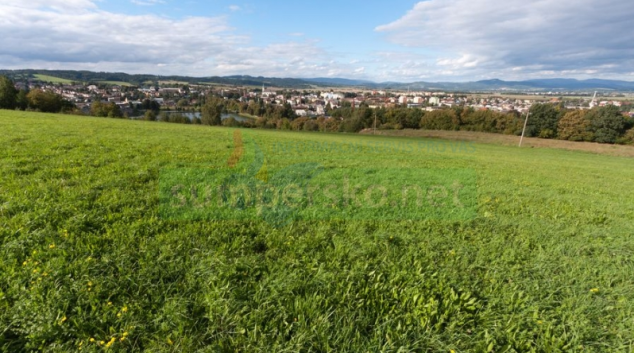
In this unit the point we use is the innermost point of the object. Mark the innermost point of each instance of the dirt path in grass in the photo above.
(509, 140)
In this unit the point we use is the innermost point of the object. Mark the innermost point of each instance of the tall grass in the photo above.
(88, 263)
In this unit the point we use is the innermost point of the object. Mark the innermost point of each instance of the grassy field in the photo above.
(116, 83)
(51, 79)
(172, 82)
(89, 263)
(510, 140)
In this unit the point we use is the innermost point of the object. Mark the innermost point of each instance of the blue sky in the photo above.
(397, 40)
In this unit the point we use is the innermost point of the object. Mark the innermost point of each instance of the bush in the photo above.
(150, 115)
(607, 124)
(230, 122)
(110, 110)
(298, 124)
(440, 120)
(8, 93)
(574, 126)
(45, 101)
(543, 117)
(311, 125)
(628, 138)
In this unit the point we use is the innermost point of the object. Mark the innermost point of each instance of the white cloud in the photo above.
(55, 35)
(235, 8)
(521, 38)
(147, 2)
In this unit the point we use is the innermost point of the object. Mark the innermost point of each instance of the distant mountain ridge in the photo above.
(538, 85)
(557, 84)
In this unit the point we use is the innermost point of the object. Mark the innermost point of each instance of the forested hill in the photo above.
(139, 80)
(536, 85)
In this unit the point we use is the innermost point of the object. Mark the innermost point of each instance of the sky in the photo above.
(396, 40)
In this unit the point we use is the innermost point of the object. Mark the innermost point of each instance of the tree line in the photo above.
(600, 124)
(37, 99)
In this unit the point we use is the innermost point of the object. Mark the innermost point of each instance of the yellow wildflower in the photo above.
(169, 341)
(125, 334)
(594, 290)
(109, 303)
(101, 343)
(92, 339)
(52, 246)
(62, 320)
(125, 309)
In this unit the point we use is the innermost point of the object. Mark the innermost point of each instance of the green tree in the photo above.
(607, 123)
(150, 115)
(8, 93)
(182, 103)
(110, 110)
(45, 101)
(543, 121)
(440, 120)
(114, 111)
(574, 127)
(628, 138)
(22, 101)
(212, 112)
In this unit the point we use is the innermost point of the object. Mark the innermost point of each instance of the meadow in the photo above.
(116, 83)
(52, 79)
(89, 262)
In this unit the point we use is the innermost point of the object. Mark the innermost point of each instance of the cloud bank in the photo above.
(437, 40)
(520, 38)
(76, 34)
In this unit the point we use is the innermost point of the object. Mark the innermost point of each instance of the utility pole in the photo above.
(524, 129)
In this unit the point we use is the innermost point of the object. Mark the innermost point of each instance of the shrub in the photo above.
(230, 122)
(574, 126)
(150, 115)
(543, 117)
(440, 120)
(607, 124)
(628, 138)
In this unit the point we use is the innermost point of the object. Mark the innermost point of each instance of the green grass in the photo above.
(545, 265)
(117, 83)
(52, 79)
